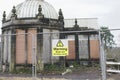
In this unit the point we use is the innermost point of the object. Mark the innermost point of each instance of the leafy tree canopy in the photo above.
(107, 37)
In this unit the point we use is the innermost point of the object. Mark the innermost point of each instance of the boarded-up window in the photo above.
(83, 49)
(24, 46)
(94, 49)
(30, 44)
(71, 47)
(20, 47)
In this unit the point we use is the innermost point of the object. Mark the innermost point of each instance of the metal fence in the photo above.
(113, 53)
(54, 53)
(18, 53)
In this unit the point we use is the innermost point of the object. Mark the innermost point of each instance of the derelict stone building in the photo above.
(37, 16)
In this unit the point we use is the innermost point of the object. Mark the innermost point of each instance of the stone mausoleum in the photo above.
(37, 17)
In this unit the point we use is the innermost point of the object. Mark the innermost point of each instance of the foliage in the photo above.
(53, 68)
(107, 37)
(25, 70)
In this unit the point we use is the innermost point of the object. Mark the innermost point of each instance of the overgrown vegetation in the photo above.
(53, 69)
(74, 66)
(25, 70)
(56, 68)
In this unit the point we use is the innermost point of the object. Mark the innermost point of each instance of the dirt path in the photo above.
(70, 76)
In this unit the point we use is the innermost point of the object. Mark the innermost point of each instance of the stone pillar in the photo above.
(1, 53)
(9, 50)
(77, 47)
(40, 65)
(13, 52)
(13, 42)
(89, 48)
(89, 54)
(26, 47)
(5, 49)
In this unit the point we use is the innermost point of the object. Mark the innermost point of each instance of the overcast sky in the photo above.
(107, 11)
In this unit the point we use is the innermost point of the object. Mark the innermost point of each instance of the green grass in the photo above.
(25, 70)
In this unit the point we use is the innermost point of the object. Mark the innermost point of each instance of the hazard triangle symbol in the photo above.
(60, 44)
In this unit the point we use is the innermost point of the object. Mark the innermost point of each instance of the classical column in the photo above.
(8, 50)
(1, 51)
(77, 47)
(26, 47)
(13, 42)
(40, 66)
(13, 50)
(5, 49)
(62, 35)
(89, 54)
(89, 57)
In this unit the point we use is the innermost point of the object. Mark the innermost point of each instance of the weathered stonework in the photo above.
(27, 34)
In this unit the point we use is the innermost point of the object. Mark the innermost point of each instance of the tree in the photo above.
(107, 37)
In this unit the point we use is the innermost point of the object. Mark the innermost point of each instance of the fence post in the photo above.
(33, 57)
(102, 58)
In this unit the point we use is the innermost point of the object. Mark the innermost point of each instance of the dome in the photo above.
(29, 9)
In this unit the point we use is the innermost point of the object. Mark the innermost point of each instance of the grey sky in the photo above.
(107, 11)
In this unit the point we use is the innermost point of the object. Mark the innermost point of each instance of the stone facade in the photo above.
(27, 35)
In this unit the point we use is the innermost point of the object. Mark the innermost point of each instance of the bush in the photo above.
(53, 68)
(26, 70)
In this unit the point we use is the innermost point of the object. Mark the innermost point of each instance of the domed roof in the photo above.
(29, 9)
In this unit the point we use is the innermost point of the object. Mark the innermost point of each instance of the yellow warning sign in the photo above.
(60, 47)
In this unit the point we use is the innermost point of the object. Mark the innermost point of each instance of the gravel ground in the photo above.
(89, 75)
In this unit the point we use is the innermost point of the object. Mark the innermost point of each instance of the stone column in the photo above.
(89, 47)
(77, 47)
(89, 54)
(40, 65)
(13, 52)
(1, 53)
